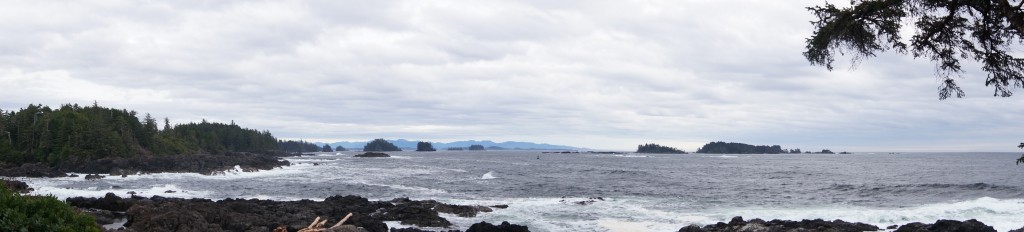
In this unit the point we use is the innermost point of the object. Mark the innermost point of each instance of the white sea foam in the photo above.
(161, 190)
(488, 176)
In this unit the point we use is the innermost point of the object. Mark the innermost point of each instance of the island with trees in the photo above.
(380, 145)
(477, 147)
(659, 149)
(425, 146)
(340, 148)
(327, 148)
(740, 148)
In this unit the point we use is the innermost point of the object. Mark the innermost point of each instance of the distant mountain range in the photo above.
(410, 145)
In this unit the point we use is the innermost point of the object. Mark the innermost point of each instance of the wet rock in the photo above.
(170, 191)
(500, 206)
(1018, 230)
(17, 186)
(691, 228)
(104, 217)
(110, 202)
(414, 213)
(503, 227)
(93, 177)
(461, 210)
(892, 227)
(947, 226)
(412, 229)
(372, 155)
(738, 224)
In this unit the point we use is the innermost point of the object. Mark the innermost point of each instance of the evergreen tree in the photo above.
(476, 147)
(327, 148)
(425, 146)
(380, 145)
(655, 148)
(41, 134)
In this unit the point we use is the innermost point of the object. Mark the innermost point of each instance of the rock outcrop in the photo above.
(372, 155)
(738, 224)
(174, 214)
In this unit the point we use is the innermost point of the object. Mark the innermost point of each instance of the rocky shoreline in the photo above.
(175, 214)
(737, 224)
(200, 163)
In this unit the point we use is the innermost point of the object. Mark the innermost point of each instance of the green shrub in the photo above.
(40, 213)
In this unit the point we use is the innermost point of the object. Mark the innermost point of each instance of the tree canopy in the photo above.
(477, 147)
(327, 148)
(655, 148)
(380, 145)
(425, 146)
(947, 32)
(297, 146)
(38, 133)
(741, 148)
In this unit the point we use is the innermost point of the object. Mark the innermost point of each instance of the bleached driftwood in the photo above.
(318, 225)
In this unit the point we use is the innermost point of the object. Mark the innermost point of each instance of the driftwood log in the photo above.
(318, 226)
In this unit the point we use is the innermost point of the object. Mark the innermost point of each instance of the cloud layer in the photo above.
(600, 74)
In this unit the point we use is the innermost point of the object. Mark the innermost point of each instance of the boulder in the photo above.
(16, 186)
(503, 227)
(946, 226)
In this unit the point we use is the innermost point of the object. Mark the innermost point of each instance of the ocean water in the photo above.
(638, 192)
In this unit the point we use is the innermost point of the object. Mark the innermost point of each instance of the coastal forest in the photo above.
(655, 148)
(39, 133)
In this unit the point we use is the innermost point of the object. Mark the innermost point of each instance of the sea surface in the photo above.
(638, 192)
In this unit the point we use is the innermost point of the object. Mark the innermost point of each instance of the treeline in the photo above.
(297, 146)
(38, 133)
(655, 148)
(742, 148)
(380, 145)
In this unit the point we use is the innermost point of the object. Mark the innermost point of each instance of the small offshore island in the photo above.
(99, 142)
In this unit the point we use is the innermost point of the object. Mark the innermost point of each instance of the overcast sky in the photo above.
(597, 74)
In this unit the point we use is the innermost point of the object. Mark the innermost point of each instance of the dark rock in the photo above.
(17, 186)
(461, 210)
(1018, 230)
(93, 177)
(110, 202)
(738, 224)
(504, 227)
(412, 229)
(170, 191)
(104, 217)
(913, 226)
(500, 206)
(31, 170)
(372, 155)
(691, 228)
(947, 226)
(73, 175)
(265, 215)
(414, 213)
(892, 227)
